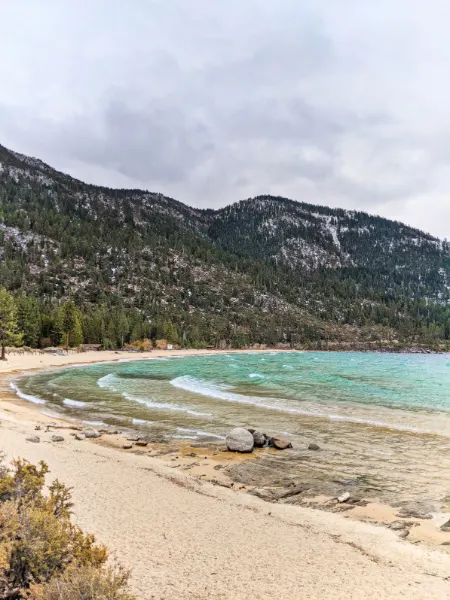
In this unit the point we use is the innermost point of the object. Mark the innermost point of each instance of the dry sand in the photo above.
(187, 539)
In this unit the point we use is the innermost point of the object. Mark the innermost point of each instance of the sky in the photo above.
(343, 103)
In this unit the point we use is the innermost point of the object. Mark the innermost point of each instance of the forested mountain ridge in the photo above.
(263, 270)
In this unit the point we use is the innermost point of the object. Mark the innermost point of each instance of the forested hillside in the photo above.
(266, 270)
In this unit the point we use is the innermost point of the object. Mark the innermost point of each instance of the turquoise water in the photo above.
(392, 390)
(382, 420)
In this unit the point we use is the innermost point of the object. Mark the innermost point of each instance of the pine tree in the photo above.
(8, 324)
(29, 319)
(69, 324)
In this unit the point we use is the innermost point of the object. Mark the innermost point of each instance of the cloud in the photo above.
(336, 103)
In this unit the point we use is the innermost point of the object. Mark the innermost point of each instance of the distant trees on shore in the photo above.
(40, 323)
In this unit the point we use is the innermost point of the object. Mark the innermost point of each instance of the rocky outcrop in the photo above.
(240, 440)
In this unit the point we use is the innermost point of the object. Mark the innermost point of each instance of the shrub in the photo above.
(42, 553)
(144, 345)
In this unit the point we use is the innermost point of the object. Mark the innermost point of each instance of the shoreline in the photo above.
(118, 479)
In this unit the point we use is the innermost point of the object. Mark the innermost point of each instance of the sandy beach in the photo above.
(185, 538)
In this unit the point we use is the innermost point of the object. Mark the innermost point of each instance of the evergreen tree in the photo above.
(9, 333)
(69, 324)
(29, 319)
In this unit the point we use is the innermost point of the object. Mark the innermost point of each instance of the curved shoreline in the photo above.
(185, 537)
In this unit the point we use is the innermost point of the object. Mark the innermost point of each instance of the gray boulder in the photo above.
(240, 440)
(57, 438)
(33, 438)
(258, 439)
(80, 435)
(91, 433)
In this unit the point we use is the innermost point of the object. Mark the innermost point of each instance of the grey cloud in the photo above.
(336, 103)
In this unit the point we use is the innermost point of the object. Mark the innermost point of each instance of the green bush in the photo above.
(43, 555)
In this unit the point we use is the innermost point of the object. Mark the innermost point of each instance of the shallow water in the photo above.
(382, 419)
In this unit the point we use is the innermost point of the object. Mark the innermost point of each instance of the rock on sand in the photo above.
(240, 440)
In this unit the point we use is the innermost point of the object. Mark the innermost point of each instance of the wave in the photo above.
(28, 397)
(256, 376)
(164, 405)
(106, 381)
(213, 390)
(200, 433)
(74, 403)
(141, 422)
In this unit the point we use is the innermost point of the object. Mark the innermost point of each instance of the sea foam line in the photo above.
(164, 405)
(28, 397)
(74, 403)
(205, 388)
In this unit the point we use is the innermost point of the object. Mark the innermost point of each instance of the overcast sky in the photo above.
(338, 102)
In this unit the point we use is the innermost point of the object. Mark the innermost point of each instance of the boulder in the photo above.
(141, 443)
(91, 433)
(240, 440)
(33, 438)
(80, 435)
(127, 446)
(313, 447)
(57, 438)
(281, 442)
(344, 498)
(258, 439)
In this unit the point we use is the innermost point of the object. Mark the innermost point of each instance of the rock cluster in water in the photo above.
(245, 440)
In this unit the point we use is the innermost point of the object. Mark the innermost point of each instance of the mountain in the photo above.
(263, 270)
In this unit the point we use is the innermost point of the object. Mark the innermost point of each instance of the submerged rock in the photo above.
(397, 525)
(259, 439)
(33, 438)
(57, 438)
(281, 442)
(240, 440)
(313, 447)
(407, 513)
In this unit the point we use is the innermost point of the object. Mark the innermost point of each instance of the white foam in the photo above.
(212, 390)
(164, 405)
(256, 376)
(106, 381)
(28, 397)
(141, 422)
(201, 433)
(74, 403)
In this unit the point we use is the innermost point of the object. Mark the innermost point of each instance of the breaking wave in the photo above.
(28, 397)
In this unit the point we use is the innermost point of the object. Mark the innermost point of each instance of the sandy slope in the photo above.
(190, 540)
